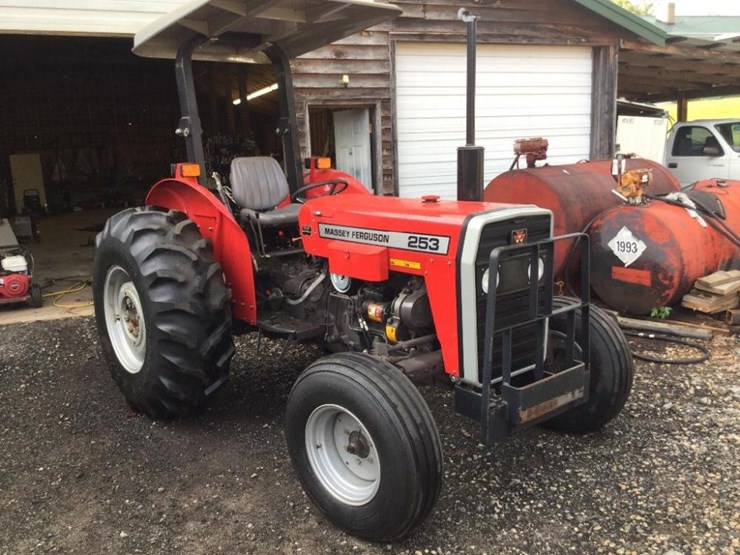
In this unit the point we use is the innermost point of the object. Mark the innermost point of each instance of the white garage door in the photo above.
(522, 91)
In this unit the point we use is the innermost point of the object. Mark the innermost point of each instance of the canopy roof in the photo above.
(240, 30)
(701, 59)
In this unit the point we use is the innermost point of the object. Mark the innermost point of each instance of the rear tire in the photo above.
(364, 445)
(610, 379)
(162, 311)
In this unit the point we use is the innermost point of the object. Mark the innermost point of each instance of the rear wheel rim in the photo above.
(124, 318)
(342, 455)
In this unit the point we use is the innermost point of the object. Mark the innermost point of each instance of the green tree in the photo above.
(637, 7)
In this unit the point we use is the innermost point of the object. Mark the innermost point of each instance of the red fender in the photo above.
(230, 245)
(314, 175)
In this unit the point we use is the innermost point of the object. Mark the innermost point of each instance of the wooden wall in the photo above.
(367, 59)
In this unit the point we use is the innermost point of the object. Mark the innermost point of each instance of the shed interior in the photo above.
(102, 120)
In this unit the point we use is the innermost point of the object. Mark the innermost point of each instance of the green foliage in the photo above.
(639, 7)
(660, 312)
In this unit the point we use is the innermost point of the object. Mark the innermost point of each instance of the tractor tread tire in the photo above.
(611, 374)
(186, 309)
(406, 416)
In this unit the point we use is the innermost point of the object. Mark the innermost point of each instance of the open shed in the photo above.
(387, 103)
(701, 58)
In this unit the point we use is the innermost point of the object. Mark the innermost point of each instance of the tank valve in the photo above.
(631, 185)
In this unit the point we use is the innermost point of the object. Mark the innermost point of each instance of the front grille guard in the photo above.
(550, 393)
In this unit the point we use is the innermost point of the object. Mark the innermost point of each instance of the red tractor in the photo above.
(396, 289)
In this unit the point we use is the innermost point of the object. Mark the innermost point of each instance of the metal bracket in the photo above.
(464, 15)
(184, 128)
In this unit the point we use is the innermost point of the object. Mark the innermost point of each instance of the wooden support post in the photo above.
(682, 107)
(603, 101)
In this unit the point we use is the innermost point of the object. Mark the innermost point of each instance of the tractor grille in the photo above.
(513, 289)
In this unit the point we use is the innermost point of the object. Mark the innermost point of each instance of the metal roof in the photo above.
(701, 58)
(239, 30)
(618, 15)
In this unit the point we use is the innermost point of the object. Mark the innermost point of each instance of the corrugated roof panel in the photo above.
(91, 17)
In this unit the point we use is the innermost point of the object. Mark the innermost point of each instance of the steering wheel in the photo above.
(336, 186)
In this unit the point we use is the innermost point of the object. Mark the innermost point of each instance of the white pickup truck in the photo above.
(704, 149)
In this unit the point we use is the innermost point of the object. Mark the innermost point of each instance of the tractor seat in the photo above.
(259, 185)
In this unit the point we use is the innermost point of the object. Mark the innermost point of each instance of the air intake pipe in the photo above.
(470, 157)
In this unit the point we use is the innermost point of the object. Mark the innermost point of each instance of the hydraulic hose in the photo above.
(695, 360)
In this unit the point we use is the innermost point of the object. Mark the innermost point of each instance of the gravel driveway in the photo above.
(80, 474)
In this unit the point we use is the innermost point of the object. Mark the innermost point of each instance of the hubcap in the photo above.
(342, 455)
(124, 319)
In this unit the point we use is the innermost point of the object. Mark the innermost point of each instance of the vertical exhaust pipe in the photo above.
(470, 157)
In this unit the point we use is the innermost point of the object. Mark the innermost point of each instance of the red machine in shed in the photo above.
(397, 289)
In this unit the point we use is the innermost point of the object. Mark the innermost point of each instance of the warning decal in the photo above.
(626, 246)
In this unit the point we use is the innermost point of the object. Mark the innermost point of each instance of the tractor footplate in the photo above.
(282, 324)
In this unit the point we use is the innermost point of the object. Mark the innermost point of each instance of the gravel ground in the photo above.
(80, 474)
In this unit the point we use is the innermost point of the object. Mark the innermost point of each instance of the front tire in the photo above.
(162, 311)
(610, 378)
(364, 445)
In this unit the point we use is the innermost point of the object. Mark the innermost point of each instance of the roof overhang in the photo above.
(701, 59)
(625, 19)
(240, 30)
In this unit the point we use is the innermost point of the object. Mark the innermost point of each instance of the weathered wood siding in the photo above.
(367, 59)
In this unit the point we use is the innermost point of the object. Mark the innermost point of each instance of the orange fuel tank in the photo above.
(650, 256)
(576, 193)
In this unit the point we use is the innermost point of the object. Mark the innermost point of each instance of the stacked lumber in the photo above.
(714, 293)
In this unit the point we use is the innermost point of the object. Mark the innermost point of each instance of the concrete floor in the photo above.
(63, 260)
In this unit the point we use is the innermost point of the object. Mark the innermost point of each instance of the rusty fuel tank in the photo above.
(576, 193)
(650, 256)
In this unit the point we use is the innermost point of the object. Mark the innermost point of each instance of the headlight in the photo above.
(540, 269)
(484, 281)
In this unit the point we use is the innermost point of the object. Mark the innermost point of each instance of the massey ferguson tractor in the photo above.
(395, 290)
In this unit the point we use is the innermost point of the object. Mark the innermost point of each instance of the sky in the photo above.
(698, 7)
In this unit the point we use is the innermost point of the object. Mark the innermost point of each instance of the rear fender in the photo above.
(230, 245)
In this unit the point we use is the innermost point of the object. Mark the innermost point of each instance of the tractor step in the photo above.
(282, 324)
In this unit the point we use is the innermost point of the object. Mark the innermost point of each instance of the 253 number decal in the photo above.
(422, 243)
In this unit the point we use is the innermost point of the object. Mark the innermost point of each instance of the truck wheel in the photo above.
(364, 445)
(610, 380)
(162, 311)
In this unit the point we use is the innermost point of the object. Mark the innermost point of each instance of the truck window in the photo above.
(731, 133)
(691, 140)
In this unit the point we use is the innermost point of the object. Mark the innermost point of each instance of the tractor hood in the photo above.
(240, 30)
(336, 226)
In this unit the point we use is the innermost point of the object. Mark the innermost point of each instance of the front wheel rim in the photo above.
(342, 455)
(124, 319)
